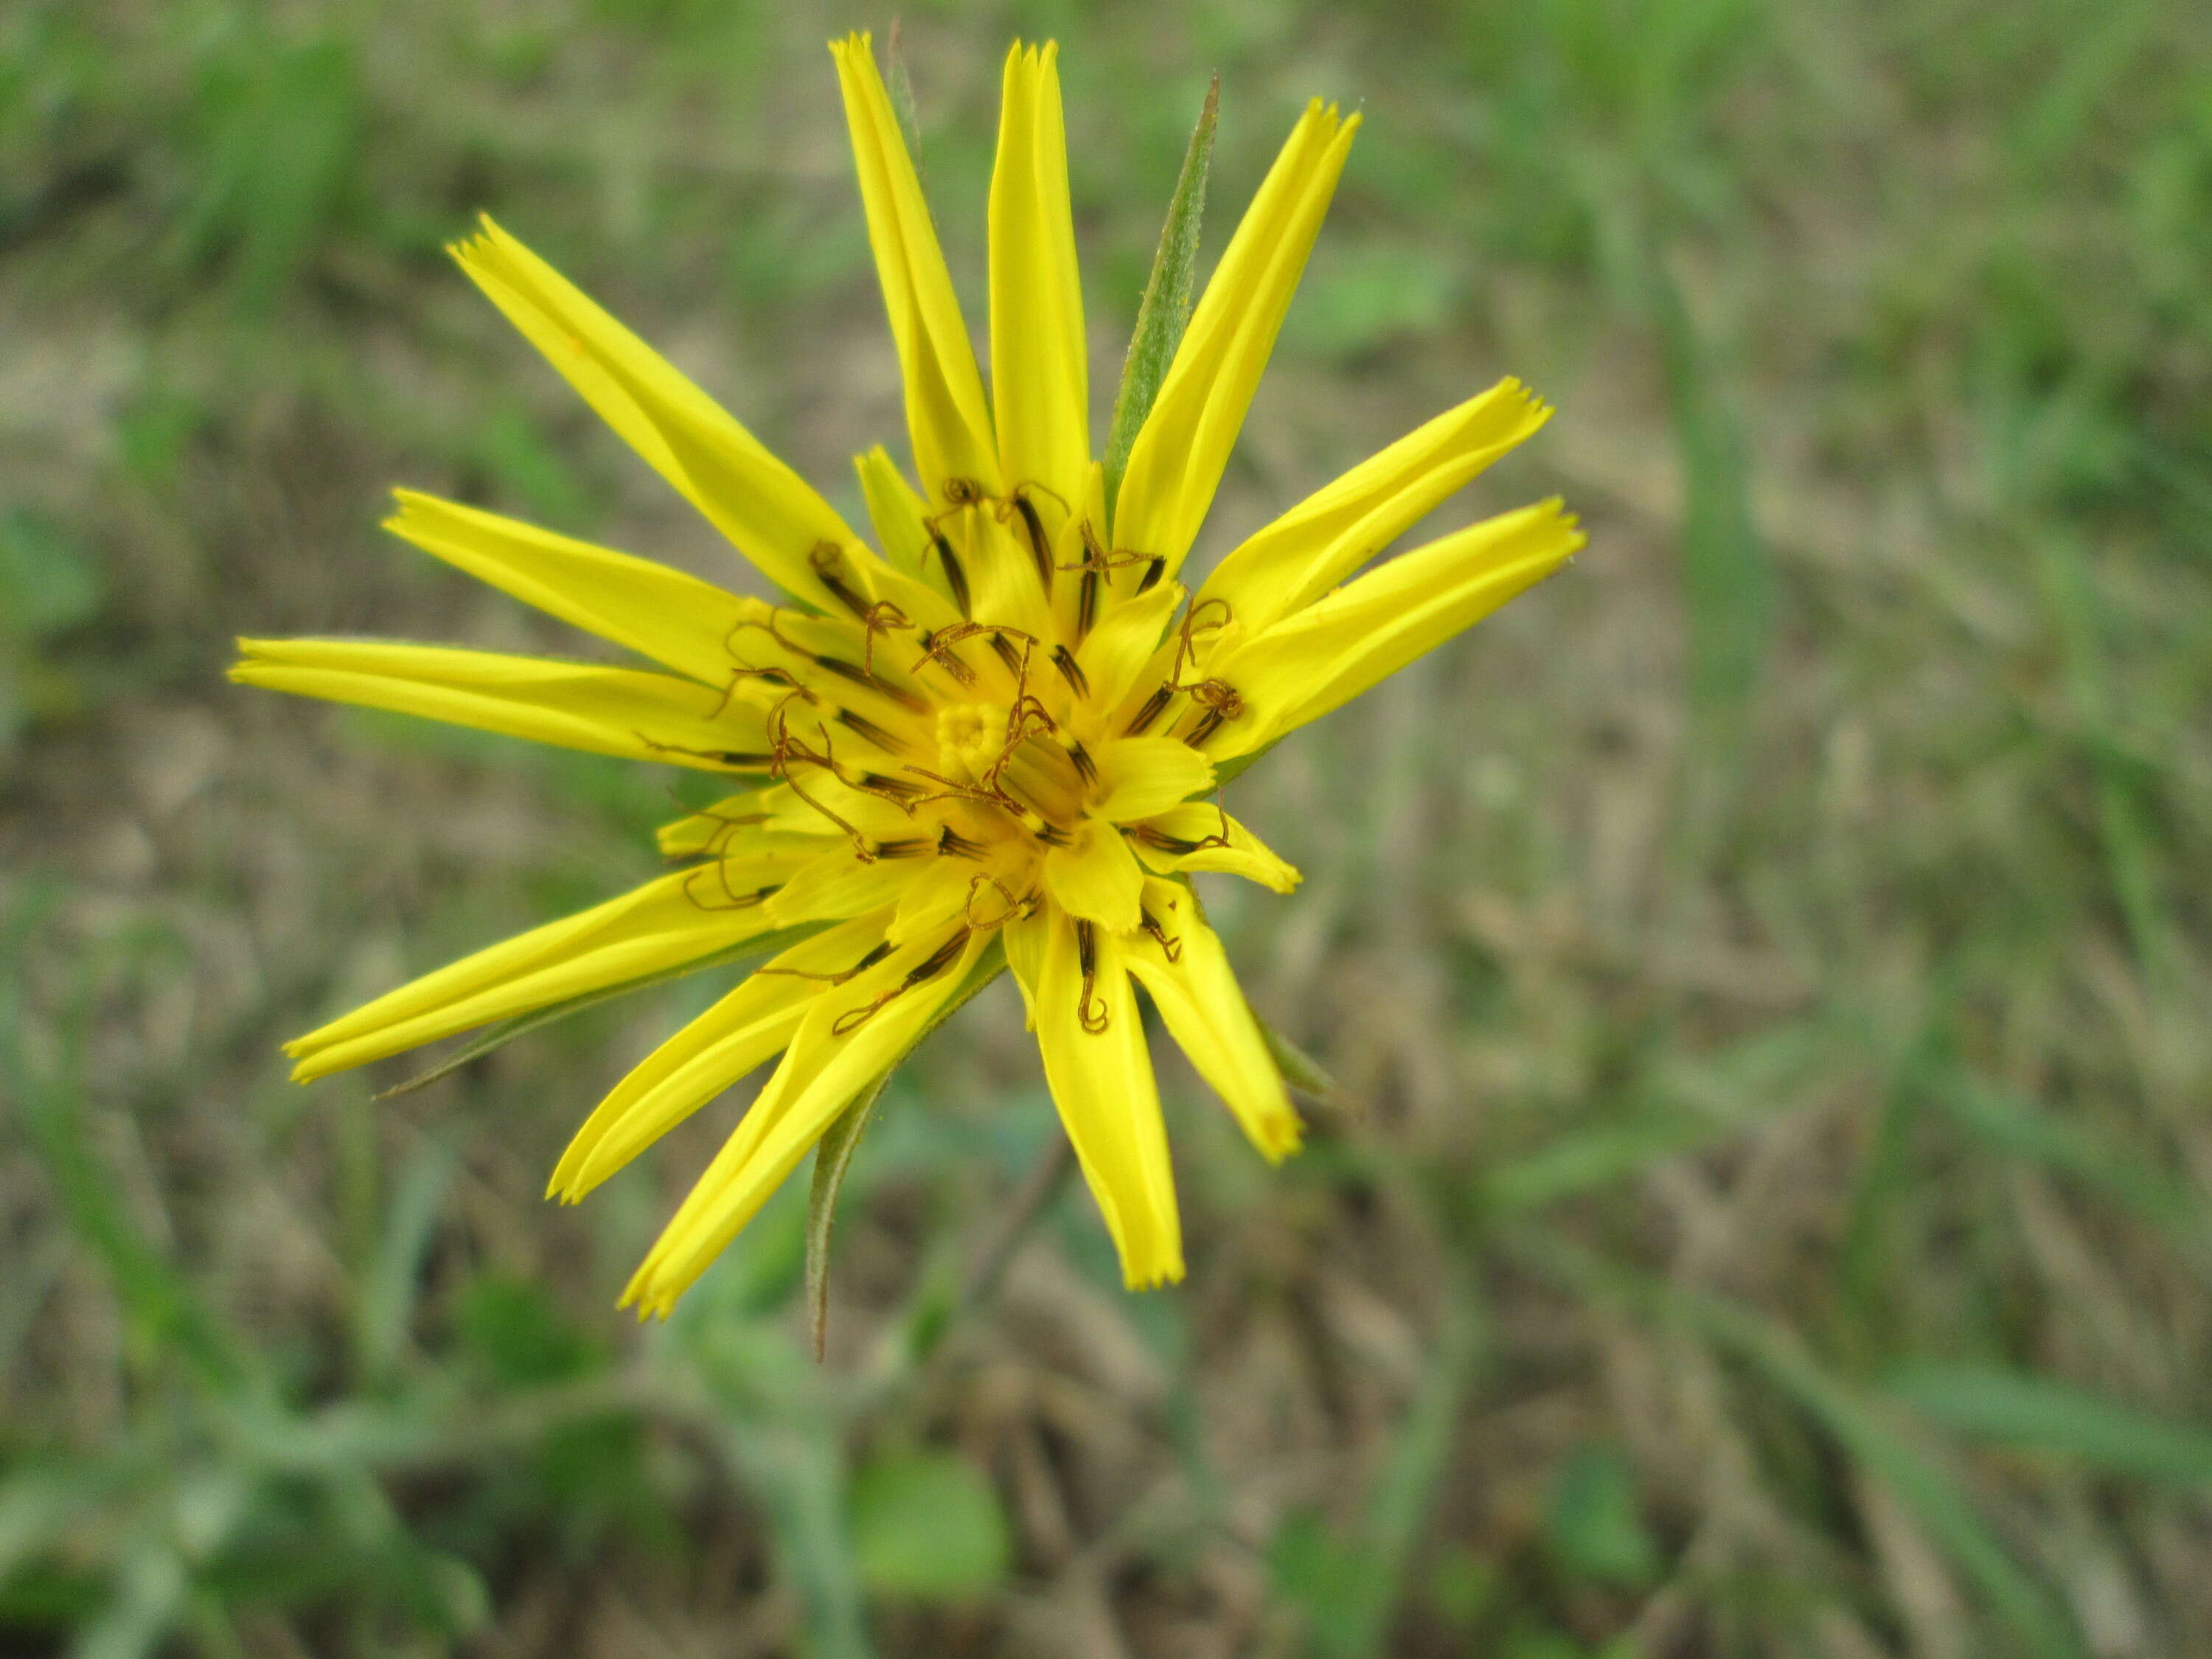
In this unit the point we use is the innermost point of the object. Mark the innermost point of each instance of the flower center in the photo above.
(970, 736)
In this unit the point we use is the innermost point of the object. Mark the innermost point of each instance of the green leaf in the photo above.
(1592, 1519)
(2020, 1409)
(499, 1036)
(927, 1525)
(1164, 311)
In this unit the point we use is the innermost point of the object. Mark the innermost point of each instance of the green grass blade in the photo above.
(1727, 582)
(1857, 1422)
(1164, 311)
(833, 1154)
(2015, 1408)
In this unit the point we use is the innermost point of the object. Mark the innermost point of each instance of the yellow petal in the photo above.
(1190, 838)
(1204, 1009)
(1330, 534)
(830, 1060)
(1039, 373)
(1176, 462)
(679, 918)
(938, 895)
(895, 512)
(946, 415)
(1114, 653)
(768, 511)
(1327, 654)
(605, 711)
(834, 885)
(1095, 877)
(1145, 775)
(1101, 1076)
(753, 1022)
(653, 608)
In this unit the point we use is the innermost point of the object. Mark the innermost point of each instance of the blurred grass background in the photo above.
(1770, 962)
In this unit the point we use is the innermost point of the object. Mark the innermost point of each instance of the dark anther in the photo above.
(825, 557)
(955, 577)
(1085, 767)
(1170, 948)
(858, 676)
(736, 759)
(938, 648)
(868, 729)
(892, 788)
(1040, 548)
(1154, 706)
(1006, 653)
(1174, 846)
(906, 846)
(921, 973)
(730, 900)
(1086, 604)
(875, 953)
(953, 844)
(1064, 660)
(1153, 572)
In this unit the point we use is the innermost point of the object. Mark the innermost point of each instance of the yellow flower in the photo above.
(997, 742)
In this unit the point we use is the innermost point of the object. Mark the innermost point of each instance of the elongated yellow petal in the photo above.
(1327, 654)
(1190, 982)
(1330, 534)
(1101, 1076)
(895, 512)
(677, 919)
(1176, 462)
(1145, 775)
(1039, 369)
(1190, 838)
(767, 510)
(946, 415)
(654, 609)
(837, 1052)
(606, 711)
(835, 885)
(753, 1022)
(1115, 652)
(1095, 877)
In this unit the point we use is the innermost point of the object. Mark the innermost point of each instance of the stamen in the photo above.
(1153, 572)
(1040, 548)
(906, 846)
(1007, 655)
(955, 577)
(952, 844)
(1086, 606)
(737, 760)
(855, 675)
(868, 729)
(937, 647)
(921, 973)
(1174, 846)
(877, 952)
(825, 557)
(1085, 767)
(1014, 907)
(1154, 707)
(1170, 948)
(1064, 660)
(734, 900)
(1221, 702)
(1086, 958)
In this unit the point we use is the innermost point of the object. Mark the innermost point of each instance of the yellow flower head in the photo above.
(997, 742)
